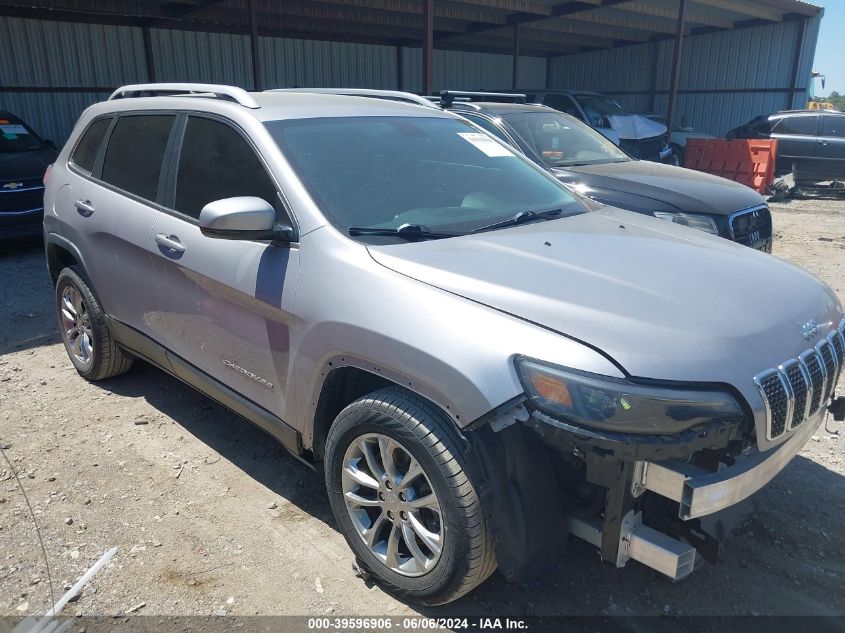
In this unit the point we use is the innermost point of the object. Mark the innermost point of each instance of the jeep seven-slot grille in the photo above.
(812, 376)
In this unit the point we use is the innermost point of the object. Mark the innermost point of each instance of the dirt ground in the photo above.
(210, 516)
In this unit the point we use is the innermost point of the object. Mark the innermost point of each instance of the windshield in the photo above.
(561, 141)
(598, 106)
(437, 173)
(17, 137)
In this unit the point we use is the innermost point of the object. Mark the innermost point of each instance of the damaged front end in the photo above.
(664, 492)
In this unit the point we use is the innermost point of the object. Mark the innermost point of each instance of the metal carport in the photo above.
(720, 61)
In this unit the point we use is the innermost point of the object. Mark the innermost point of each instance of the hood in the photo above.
(663, 301)
(685, 189)
(636, 126)
(25, 165)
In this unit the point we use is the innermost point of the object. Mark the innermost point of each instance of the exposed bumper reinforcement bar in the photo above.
(641, 543)
(700, 492)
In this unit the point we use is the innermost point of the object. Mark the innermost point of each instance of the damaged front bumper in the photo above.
(700, 492)
(702, 476)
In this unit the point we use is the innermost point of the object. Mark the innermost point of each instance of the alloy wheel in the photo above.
(76, 326)
(392, 504)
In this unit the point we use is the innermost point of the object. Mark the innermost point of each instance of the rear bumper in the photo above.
(700, 493)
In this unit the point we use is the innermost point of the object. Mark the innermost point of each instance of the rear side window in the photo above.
(799, 125)
(833, 126)
(135, 153)
(563, 103)
(86, 151)
(215, 163)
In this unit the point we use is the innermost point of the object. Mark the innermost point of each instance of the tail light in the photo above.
(47, 174)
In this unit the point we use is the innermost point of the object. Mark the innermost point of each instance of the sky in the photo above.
(830, 60)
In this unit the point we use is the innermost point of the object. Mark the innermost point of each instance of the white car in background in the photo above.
(679, 136)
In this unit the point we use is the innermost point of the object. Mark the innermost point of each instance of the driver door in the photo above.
(224, 306)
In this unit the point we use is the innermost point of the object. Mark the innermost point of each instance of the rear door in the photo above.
(223, 306)
(832, 146)
(797, 138)
(112, 204)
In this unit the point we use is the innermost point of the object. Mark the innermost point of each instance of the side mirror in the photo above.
(242, 218)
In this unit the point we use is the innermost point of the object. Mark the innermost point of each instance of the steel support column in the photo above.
(253, 42)
(148, 55)
(428, 46)
(677, 56)
(400, 68)
(796, 65)
(515, 77)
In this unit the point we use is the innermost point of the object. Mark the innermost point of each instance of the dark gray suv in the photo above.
(479, 364)
(810, 141)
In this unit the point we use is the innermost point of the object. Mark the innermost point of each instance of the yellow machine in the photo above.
(818, 104)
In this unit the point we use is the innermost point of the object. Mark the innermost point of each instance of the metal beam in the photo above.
(428, 46)
(148, 55)
(695, 15)
(676, 63)
(555, 11)
(253, 45)
(742, 7)
(796, 62)
(515, 75)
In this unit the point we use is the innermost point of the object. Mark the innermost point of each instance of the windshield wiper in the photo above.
(521, 218)
(405, 231)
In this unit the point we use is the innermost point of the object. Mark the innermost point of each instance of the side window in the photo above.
(799, 125)
(489, 127)
(216, 162)
(86, 150)
(833, 126)
(135, 152)
(564, 103)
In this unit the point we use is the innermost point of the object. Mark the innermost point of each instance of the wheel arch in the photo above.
(344, 380)
(62, 253)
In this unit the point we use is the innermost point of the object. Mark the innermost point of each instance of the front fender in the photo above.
(451, 350)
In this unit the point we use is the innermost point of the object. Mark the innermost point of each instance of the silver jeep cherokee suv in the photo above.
(482, 363)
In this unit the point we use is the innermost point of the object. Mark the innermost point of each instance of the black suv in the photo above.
(813, 141)
(24, 157)
(588, 163)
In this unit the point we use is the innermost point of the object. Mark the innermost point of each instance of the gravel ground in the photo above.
(210, 516)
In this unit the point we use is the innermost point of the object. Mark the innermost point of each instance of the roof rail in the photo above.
(230, 93)
(390, 95)
(449, 96)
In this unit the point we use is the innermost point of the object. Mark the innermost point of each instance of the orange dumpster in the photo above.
(751, 162)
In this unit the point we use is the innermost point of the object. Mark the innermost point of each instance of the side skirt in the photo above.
(145, 348)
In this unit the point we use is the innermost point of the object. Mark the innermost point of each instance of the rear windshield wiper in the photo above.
(405, 231)
(521, 218)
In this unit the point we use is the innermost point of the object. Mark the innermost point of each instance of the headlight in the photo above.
(618, 405)
(692, 220)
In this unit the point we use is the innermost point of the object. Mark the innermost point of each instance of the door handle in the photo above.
(170, 242)
(84, 207)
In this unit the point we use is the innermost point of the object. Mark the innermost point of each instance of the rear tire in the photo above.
(85, 333)
(377, 440)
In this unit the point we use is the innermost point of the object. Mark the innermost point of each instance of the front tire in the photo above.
(397, 487)
(85, 333)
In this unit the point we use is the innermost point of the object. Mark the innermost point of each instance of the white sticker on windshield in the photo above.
(11, 128)
(486, 144)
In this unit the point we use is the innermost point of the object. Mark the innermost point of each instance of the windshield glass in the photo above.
(561, 141)
(598, 106)
(16, 137)
(441, 174)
